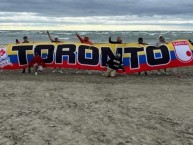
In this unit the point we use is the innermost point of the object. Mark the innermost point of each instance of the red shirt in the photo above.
(38, 60)
(84, 41)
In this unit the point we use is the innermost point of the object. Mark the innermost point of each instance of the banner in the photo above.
(135, 57)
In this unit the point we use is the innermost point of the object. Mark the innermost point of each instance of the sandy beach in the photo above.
(89, 109)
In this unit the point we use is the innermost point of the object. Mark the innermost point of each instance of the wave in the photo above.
(7, 36)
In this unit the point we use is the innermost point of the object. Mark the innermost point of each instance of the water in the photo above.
(150, 37)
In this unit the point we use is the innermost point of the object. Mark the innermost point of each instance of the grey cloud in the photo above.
(74, 8)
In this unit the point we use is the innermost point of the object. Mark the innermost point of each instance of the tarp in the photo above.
(135, 57)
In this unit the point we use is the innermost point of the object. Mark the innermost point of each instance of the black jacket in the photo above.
(115, 64)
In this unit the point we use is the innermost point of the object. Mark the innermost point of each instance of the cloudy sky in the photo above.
(96, 15)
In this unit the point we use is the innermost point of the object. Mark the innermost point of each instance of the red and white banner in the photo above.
(135, 57)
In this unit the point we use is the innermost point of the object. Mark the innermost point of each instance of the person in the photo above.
(161, 42)
(84, 40)
(113, 65)
(56, 39)
(25, 40)
(140, 41)
(118, 41)
(37, 62)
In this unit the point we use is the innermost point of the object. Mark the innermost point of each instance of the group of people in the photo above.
(37, 61)
(112, 65)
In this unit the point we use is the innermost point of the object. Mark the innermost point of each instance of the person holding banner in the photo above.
(84, 40)
(158, 44)
(25, 40)
(161, 41)
(56, 39)
(140, 41)
(118, 41)
(113, 65)
(37, 62)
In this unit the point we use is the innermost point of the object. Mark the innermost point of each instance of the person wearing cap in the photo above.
(25, 39)
(113, 65)
(56, 39)
(161, 42)
(37, 62)
(84, 40)
(118, 41)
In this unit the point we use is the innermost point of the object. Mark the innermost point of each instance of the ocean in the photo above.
(149, 37)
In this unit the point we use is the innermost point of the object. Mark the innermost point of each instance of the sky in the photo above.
(97, 15)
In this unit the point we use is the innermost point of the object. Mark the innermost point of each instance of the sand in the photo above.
(89, 109)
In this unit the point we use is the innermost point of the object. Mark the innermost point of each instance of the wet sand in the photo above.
(89, 109)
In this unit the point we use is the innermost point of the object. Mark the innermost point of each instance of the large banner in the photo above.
(135, 57)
